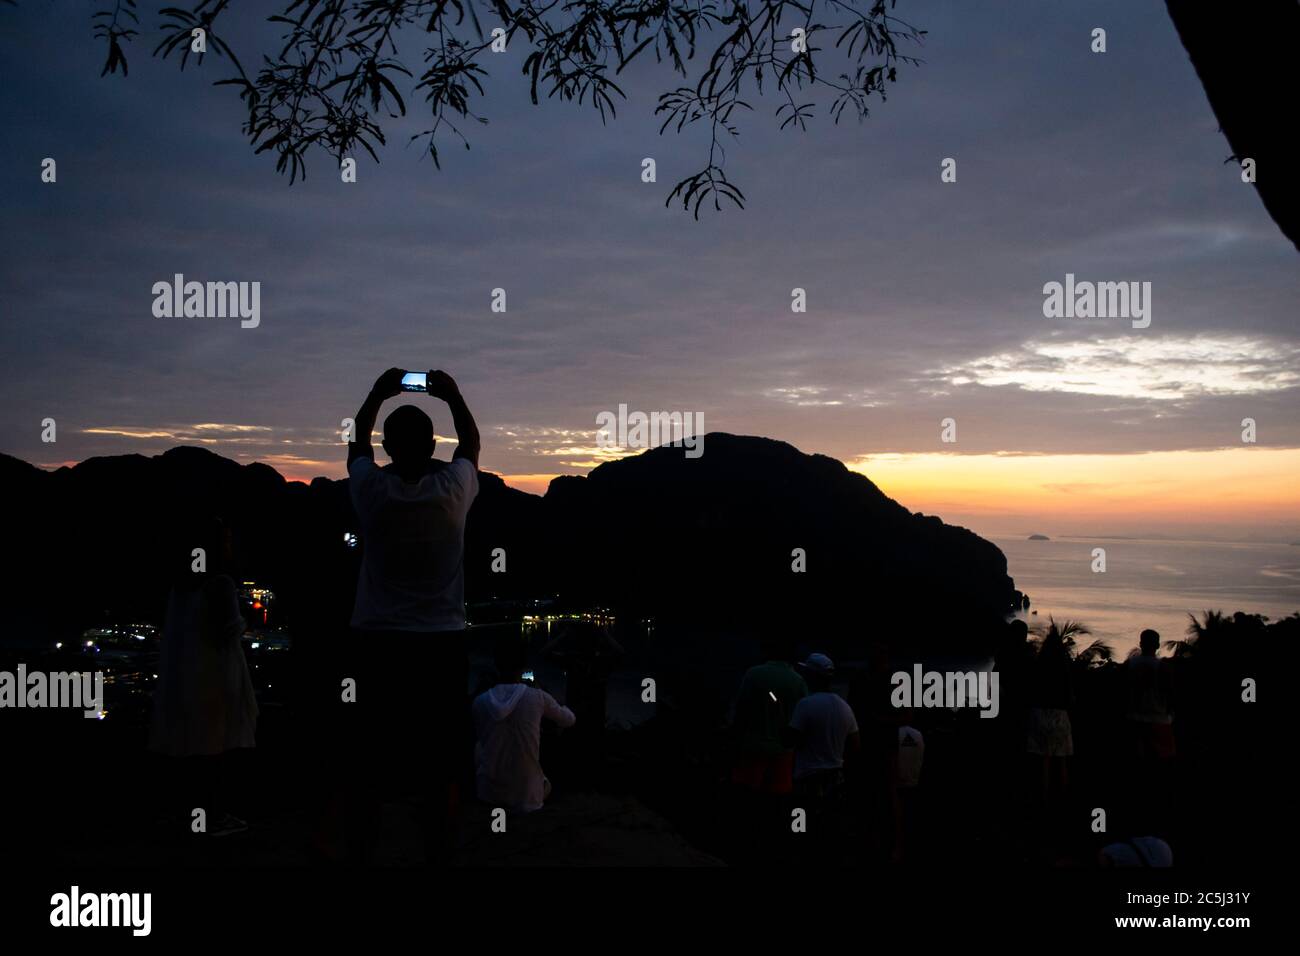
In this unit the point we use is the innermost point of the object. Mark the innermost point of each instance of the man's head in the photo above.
(408, 436)
(1150, 641)
(818, 670)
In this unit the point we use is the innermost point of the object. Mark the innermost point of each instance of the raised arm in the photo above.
(443, 386)
(385, 387)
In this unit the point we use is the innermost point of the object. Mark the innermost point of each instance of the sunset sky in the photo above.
(924, 298)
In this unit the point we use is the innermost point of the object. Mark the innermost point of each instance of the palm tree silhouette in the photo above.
(1098, 652)
(1204, 635)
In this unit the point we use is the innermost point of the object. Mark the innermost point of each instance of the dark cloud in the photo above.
(1106, 166)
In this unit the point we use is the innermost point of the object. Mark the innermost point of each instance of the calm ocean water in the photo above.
(1151, 583)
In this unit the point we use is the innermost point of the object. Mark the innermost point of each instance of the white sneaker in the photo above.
(226, 824)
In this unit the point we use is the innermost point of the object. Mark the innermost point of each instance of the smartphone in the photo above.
(415, 382)
(528, 677)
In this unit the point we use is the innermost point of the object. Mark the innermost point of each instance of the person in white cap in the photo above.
(824, 731)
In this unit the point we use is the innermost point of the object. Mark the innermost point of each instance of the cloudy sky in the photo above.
(924, 299)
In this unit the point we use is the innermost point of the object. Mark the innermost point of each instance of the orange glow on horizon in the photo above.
(1235, 485)
(1230, 484)
(533, 484)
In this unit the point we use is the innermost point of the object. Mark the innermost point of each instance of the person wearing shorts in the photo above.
(764, 761)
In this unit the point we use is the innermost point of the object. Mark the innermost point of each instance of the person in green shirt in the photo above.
(768, 694)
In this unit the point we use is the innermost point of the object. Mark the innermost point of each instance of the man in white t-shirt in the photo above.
(409, 618)
(824, 730)
(412, 513)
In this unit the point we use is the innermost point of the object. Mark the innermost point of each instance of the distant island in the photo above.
(1038, 537)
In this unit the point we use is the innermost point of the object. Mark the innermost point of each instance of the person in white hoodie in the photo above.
(508, 725)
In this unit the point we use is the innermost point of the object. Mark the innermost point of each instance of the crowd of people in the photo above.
(857, 763)
(804, 737)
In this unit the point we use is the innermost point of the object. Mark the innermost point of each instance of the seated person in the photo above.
(508, 727)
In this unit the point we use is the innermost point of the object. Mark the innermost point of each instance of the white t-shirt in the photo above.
(412, 570)
(508, 724)
(826, 720)
(911, 755)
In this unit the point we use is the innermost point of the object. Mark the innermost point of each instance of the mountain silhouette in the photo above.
(699, 545)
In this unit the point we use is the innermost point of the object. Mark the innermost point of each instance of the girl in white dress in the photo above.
(204, 704)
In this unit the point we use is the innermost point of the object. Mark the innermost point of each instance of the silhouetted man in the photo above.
(410, 607)
(1150, 720)
(1149, 709)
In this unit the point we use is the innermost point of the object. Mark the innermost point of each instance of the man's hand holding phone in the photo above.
(388, 385)
(385, 387)
(437, 384)
(441, 385)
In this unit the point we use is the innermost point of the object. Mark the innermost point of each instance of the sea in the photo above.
(1152, 583)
